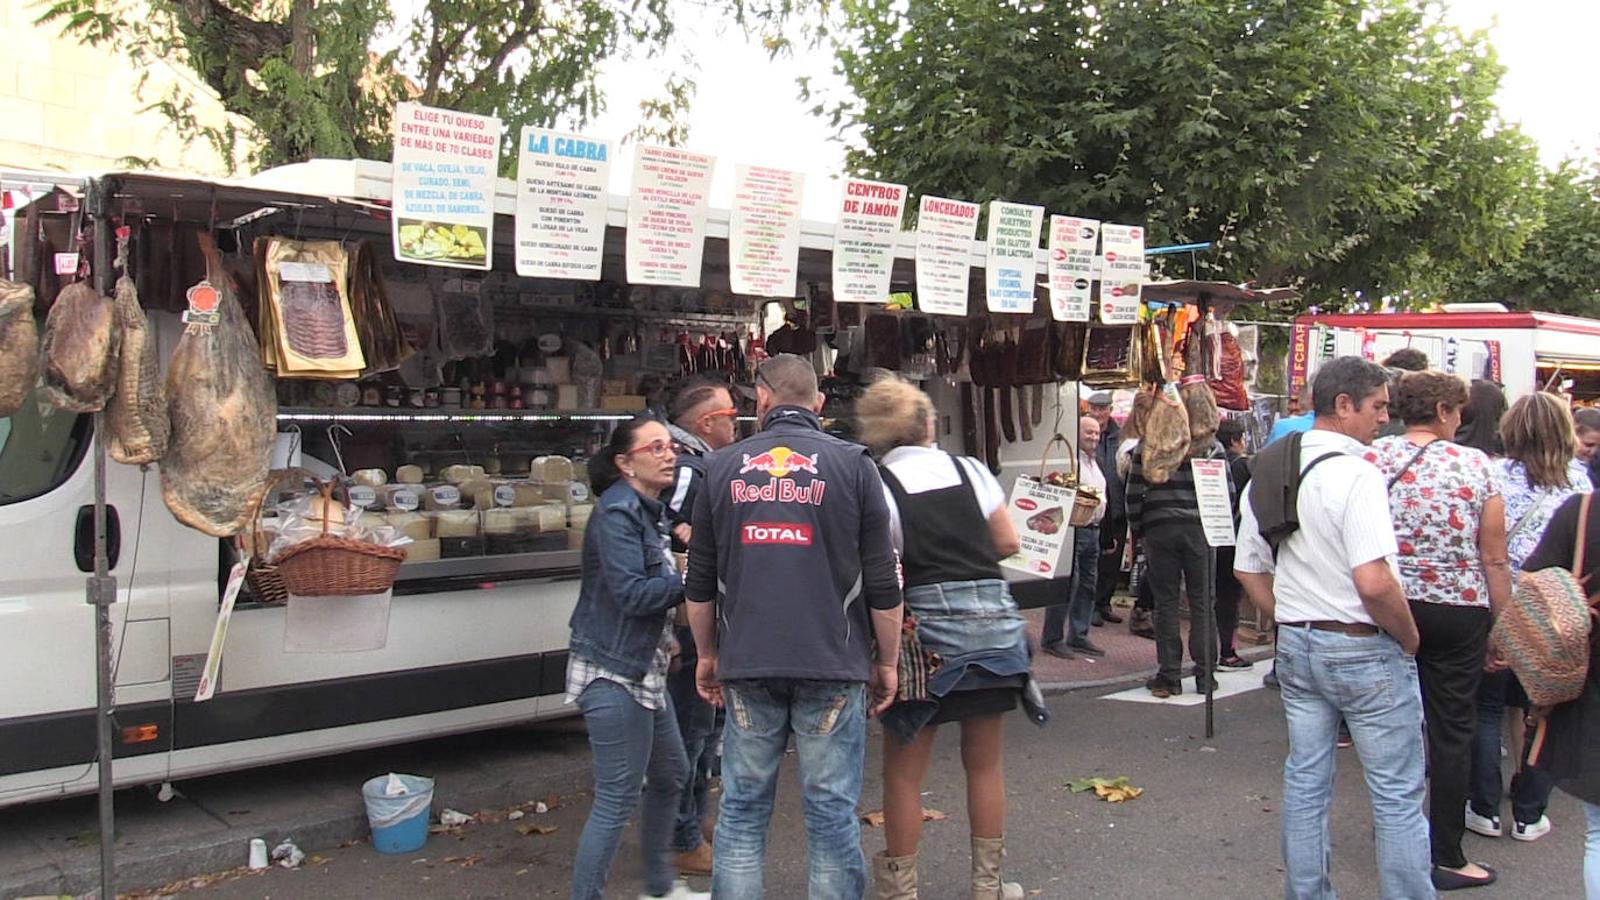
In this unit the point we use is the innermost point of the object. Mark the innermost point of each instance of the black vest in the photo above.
(944, 534)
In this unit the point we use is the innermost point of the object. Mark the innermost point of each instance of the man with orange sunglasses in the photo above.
(703, 420)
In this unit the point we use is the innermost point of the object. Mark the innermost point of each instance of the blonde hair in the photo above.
(1538, 432)
(892, 413)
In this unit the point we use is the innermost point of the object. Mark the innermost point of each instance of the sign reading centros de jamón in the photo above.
(445, 165)
(864, 239)
(945, 229)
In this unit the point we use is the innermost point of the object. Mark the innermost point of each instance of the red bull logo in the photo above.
(779, 462)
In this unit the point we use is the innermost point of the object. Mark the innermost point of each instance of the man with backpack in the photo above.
(1316, 547)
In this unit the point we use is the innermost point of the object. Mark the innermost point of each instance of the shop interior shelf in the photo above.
(408, 414)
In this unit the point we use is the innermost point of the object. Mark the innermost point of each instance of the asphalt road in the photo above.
(1206, 825)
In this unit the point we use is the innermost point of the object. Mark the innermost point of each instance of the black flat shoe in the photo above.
(1110, 616)
(1450, 880)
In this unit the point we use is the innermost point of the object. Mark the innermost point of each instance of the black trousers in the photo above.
(1228, 592)
(1450, 660)
(1110, 573)
(1179, 554)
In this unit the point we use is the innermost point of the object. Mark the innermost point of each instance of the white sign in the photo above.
(1121, 273)
(1216, 507)
(445, 166)
(1010, 266)
(1071, 267)
(561, 204)
(667, 216)
(1040, 512)
(863, 241)
(219, 633)
(945, 229)
(764, 232)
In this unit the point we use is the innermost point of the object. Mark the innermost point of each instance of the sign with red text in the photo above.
(445, 166)
(1121, 273)
(561, 204)
(1299, 359)
(945, 229)
(1214, 501)
(1071, 267)
(764, 231)
(1039, 512)
(864, 239)
(667, 216)
(1010, 265)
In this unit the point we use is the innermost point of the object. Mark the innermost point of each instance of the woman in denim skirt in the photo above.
(621, 647)
(951, 528)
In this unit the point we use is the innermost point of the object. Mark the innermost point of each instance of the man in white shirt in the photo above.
(1066, 624)
(1346, 641)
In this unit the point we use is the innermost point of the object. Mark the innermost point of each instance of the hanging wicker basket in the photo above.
(332, 566)
(1086, 500)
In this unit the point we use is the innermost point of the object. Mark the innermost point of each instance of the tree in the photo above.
(1338, 144)
(308, 77)
(1558, 269)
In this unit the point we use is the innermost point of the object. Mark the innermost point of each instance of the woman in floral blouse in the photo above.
(1449, 519)
(1538, 474)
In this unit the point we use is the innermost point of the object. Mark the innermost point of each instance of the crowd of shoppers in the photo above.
(1383, 539)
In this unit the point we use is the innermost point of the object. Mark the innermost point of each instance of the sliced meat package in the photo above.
(223, 411)
(308, 326)
(1166, 436)
(136, 416)
(78, 355)
(19, 345)
(1229, 387)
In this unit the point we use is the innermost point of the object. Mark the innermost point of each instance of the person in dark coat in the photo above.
(1114, 528)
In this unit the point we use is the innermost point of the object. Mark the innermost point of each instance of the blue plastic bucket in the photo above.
(399, 823)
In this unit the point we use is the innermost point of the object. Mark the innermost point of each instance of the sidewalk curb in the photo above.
(1253, 654)
(228, 850)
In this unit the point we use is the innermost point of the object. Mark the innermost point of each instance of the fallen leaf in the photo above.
(933, 815)
(534, 828)
(471, 861)
(1112, 790)
(873, 819)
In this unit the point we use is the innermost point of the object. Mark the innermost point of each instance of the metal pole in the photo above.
(1208, 656)
(102, 588)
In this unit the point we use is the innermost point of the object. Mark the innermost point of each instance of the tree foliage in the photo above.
(1344, 145)
(1558, 269)
(308, 77)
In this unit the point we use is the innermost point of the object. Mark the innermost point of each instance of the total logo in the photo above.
(796, 534)
(779, 462)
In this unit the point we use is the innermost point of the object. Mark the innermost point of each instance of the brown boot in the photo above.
(987, 854)
(895, 877)
(696, 861)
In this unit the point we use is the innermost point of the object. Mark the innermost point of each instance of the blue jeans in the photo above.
(1591, 852)
(829, 722)
(1530, 788)
(1079, 605)
(697, 722)
(1373, 684)
(628, 742)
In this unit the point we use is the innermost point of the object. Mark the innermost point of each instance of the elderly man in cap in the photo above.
(1114, 527)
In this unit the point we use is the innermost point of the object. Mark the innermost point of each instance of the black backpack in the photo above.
(1274, 490)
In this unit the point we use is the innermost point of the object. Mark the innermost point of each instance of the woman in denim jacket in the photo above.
(621, 648)
(951, 527)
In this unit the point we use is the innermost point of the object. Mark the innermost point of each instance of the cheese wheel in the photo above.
(441, 496)
(461, 474)
(370, 477)
(425, 550)
(578, 514)
(550, 468)
(400, 497)
(500, 521)
(455, 523)
(408, 475)
(413, 525)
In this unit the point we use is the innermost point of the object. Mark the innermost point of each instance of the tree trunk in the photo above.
(300, 41)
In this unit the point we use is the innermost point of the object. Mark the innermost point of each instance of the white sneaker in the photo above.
(1489, 826)
(680, 891)
(1531, 831)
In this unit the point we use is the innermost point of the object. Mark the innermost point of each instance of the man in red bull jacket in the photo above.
(791, 544)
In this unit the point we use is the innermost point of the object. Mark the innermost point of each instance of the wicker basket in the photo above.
(1085, 502)
(331, 566)
(265, 581)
